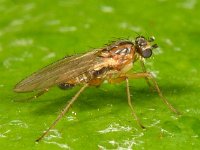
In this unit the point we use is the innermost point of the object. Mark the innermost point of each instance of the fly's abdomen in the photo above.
(88, 77)
(65, 86)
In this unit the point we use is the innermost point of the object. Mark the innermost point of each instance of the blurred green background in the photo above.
(36, 33)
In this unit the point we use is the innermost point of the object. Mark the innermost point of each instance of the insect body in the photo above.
(110, 63)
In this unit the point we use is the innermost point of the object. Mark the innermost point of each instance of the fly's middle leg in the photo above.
(131, 106)
(120, 79)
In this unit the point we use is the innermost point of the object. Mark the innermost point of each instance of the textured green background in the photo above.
(34, 34)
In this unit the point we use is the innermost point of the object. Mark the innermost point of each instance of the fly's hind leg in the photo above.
(63, 112)
(149, 76)
(39, 94)
(33, 97)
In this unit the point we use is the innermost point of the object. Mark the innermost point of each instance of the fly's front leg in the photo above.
(149, 76)
(146, 79)
(117, 80)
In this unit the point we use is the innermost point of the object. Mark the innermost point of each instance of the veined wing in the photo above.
(58, 72)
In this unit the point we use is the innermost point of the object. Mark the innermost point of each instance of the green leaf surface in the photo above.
(34, 34)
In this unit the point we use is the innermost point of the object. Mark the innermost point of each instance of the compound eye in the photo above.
(147, 53)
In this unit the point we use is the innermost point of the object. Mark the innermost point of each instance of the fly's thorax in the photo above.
(127, 67)
(119, 54)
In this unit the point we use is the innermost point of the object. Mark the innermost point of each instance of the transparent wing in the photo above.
(58, 72)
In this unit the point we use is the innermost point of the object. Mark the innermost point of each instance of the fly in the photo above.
(110, 63)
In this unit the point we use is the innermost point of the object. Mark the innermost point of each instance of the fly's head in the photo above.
(144, 47)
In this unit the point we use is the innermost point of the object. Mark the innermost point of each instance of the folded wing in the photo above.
(58, 72)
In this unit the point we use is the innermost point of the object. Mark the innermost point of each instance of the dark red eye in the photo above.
(147, 53)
